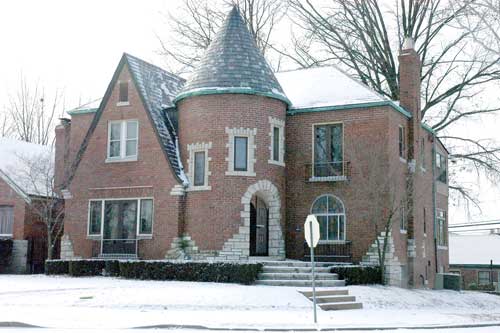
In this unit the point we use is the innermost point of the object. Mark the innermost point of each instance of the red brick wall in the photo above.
(212, 217)
(9, 197)
(149, 176)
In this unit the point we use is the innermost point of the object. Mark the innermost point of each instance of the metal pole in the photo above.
(313, 272)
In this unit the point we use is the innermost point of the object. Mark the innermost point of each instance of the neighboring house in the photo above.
(476, 257)
(18, 193)
(230, 162)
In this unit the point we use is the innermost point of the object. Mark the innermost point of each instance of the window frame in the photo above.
(479, 278)
(121, 102)
(313, 157)
(402, 143)
(403, 223)
(441, 167)
(123, 141)
(276, 123)
(422, 155)
(235, 153)
(138, 217)
(192, 150)
(11, 209)
(250, 133)
(441, 234)
(328, 215)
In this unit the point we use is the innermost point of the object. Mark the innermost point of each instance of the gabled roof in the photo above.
(15, 159)
(325, 86)
(233, 64)
(156, 88)
(474, 249)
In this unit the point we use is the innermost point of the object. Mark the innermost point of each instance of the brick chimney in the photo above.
(63, 131)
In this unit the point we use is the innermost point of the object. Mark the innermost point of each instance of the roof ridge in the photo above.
(153, 65)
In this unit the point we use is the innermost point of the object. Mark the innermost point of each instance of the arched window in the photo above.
(329, 211)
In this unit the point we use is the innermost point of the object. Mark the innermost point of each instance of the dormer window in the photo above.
(123, 137)
(123, 93)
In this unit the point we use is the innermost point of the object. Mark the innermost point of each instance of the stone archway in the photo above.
(238, 247)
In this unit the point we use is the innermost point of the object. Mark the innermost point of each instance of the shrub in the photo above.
(358, 274)
(451, 281)
(481, 287)
(56, 267)
(86, 267)
(5, 252)
(112, 267)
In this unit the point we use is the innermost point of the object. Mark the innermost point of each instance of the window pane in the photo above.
(320, 152)
(95, 217)
(276, 143)
(131, 148)
(336, 142)
(6, 220)
(199, 168)
(131, 130)
(320, 205)
(323, 227)
(115, 131)
(334, 205)
(114, 149)
(333, 225)
(484, 278)
(123, 92)
(341, 227)
(240, 153)
(146, 219)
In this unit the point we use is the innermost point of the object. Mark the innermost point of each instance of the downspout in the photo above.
(434, 199)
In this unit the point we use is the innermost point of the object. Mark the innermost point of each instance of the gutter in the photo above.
(434, 218)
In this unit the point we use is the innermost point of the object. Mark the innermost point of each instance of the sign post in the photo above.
(311, 233)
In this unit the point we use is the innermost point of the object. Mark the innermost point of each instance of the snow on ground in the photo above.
(110, 303)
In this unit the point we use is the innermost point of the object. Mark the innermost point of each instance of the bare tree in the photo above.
(365, 37)
(194, 25)
(37, 174)
(33, 114)
(5, 126)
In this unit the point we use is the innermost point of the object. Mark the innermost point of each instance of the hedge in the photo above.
(5, 252)
(358, 274)
(158, 270)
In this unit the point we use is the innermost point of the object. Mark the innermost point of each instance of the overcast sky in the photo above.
(76, 46)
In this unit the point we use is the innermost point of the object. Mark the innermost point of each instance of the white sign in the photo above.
(312, 238)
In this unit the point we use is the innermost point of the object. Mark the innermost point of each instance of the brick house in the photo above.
(228, 164)
(18, 195)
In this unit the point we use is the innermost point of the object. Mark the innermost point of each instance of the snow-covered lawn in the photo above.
(99, 302)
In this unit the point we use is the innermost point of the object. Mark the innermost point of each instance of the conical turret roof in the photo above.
(233, 64)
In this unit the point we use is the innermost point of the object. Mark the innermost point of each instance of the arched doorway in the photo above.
(259, 227)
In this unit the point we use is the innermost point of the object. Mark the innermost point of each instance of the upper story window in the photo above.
(441, 168)
(441, 228)
(328, 150)
(402, 142)
(6, 220)
(123, 137)
(277, 144)
(402, 219)
(422, 153)
(198, 171)
(329, 211)
(241, 151)
(123, 93)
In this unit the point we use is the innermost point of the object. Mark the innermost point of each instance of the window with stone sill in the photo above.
(402, 142)
(277, 141)
(123, 137)
(6, 221)
(241, 151)
(198, 166)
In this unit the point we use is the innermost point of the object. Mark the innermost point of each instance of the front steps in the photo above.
(297, 274)
(334, 299)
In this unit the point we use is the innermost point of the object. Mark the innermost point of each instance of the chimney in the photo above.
(63, 131)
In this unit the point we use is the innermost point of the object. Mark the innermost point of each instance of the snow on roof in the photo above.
(324, 86)
(474, 249)
(15, 159)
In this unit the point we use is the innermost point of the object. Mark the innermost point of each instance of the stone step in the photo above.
(331, 292)
(341, 306)
(287, 269)
(334, 299)
(289, 263)
(301, 283)
(297, 276)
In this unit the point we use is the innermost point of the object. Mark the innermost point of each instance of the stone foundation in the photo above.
(18, 263)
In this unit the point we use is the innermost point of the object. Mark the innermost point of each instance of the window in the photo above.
(122, 140)
(6, 220)
(123, 93)
(328, 150)
(198, 166)
(483, 278)
(402, 218)
(120, 219)
(442, 174)
(402, 142)
(441, 225)
(425, 221)
(422, 153)
(240, 153)
(95, 217)
(330, 213)
(277, 145)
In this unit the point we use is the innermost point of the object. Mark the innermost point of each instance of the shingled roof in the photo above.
(233, 64)
(157, 89)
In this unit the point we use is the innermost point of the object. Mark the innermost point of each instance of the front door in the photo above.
(259, 228)
(120, 227)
